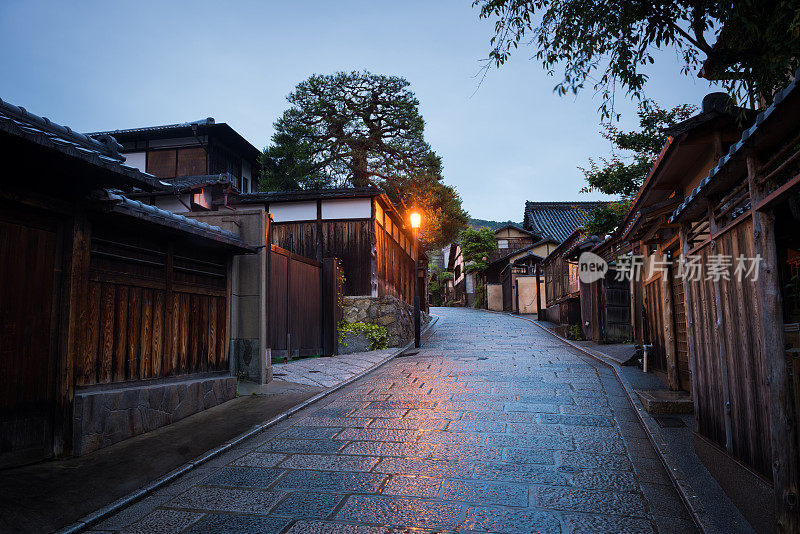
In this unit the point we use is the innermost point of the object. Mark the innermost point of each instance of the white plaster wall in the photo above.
(347, 208)
(293, 211)
(172, 204)
(137, 159)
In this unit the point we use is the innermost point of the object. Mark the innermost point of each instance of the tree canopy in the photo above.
(359, 129)
(623, 172)
(756, 43)
(476, 246)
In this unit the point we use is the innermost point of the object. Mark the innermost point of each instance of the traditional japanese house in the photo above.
(114, 315)
(562, 285)
(359, 226)
(513, 279)
(190, 149)
(739, 227)
(657, 291)
(555, 220)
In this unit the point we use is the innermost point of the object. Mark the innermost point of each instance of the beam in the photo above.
(670, 348)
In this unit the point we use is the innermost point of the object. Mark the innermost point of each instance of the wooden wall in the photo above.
(654, 323)
(743, 365)
(152, 310)
(349, 241)
(394, 265)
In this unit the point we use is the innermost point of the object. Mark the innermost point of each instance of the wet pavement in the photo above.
(494, 427)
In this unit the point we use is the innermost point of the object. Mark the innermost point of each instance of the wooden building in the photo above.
(659, 303)
(114, 316)
(740, 324)
(198, 148)
(360, 227)
(562, 285)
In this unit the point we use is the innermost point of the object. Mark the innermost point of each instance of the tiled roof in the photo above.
(190, 182)
(201, 122)
(737, 149)
(556, 220)
(126, 206)
(309, 194)
(102, 152)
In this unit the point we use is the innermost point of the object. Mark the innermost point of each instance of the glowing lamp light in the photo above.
(416, 219)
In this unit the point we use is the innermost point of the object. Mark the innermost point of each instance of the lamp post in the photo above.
(416, 219)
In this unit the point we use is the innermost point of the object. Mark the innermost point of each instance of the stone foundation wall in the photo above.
(102, 417)
(394, 314)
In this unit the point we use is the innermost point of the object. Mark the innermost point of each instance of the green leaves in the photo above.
(608, 43)
(622, 173)
(476, 247)
(355, 129)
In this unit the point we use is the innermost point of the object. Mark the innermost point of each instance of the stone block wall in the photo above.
(390, 312)
(102, 417)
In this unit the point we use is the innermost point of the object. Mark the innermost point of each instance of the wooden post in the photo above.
(719, 330)
(263, 288)
(783, 436)
(691, 312)
(637, 298)
(73, 329)
(670, 348)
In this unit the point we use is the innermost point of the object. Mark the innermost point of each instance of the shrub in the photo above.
(377, 335)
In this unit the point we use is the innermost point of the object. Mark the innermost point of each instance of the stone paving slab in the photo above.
(330, 371)
(491, 428)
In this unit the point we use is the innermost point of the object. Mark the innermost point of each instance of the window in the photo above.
(502, 243)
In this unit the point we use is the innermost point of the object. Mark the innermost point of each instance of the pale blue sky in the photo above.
(105, 65)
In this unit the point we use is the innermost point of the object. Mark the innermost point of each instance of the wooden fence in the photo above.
(152, 311)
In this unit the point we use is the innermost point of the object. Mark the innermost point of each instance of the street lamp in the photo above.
(416, 219)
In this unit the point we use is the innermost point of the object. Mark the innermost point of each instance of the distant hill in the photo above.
(493, 225)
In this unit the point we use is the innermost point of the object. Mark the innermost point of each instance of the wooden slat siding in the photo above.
(134, 331)
(747, 369)
(351, 243)
(183, 331)
(395, 267)
(173, 334)
(212, 332)
(120, 333)
(146, 346)
(297, 237)
(223, 312)
(158, 345)
(655, 325)
(91, 351)
(195, 349)
(681, 337)
(108, 296)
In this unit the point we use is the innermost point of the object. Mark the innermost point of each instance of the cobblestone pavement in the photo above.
(494, 426)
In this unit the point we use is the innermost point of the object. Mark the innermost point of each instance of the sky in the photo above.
(111, 65)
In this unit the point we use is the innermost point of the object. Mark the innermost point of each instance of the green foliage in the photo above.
(624, 172)
(480, 296)
(377, 335)
(360, 129)
(492, 225)
(437, 285)
(610, 44)
(603, 220)
(574, 332)
(476, 247)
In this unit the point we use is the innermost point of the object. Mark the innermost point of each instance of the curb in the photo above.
(688, 495)
(95, 517)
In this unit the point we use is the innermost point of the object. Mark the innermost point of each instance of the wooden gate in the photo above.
(616, 308)
(29, 285)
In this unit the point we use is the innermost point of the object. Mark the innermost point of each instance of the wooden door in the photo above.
(654, 325)
(28, 319)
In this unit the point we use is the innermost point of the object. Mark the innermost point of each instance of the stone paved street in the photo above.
(494, 426)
